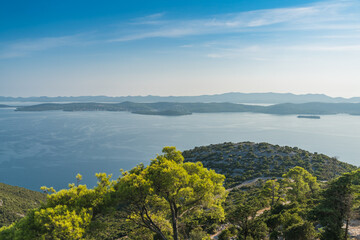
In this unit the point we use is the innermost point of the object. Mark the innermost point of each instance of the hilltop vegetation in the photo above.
(15, 202)
(173, 199)
(175, 109)
(246, 160)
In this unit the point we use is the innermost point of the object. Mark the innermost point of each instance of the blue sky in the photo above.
(117, 48)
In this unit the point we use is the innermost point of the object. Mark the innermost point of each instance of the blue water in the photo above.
(50, 148)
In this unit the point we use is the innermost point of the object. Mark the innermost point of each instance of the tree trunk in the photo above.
(150, 224)
(174, 214)
(162, 236)
(346, 229)
(175, 230)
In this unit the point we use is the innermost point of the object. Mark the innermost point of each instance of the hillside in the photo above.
(16, 201)
(246, 160)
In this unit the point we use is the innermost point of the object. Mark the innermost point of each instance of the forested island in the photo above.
(177, 109)
(271, 192)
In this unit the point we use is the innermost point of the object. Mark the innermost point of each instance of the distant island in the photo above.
(232, 97)
(178, 109)
(309, 116)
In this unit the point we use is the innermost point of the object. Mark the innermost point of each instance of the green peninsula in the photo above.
(178, 109)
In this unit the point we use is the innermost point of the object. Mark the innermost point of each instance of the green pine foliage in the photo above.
(172, 198)
(275, 209)
(338, 205)
(168, 199)
(65, 215)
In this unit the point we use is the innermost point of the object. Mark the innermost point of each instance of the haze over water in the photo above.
(50, 148)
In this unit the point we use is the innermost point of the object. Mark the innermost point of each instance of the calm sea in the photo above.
(50, 148)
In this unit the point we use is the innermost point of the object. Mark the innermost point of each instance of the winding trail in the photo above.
(244, 184)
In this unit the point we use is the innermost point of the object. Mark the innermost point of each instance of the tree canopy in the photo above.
(339, 202)
(65, 215)
(170, 197)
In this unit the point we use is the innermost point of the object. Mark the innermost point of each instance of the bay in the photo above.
(50, 148)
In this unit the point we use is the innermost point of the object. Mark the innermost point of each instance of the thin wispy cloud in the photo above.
(329, 15)
(44, 43)
(339, 36)
(251, 52)
(324, 15)
(344, 48)
(166, 33)
(256, 52)
(187, 46)
(26, 47)
(261, 17)
(153, 19)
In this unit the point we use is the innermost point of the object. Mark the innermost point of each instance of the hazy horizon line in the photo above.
(165, 96)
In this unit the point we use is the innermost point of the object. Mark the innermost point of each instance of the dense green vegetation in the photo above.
(173, 108)
(173, 199)
(168, 199)
(294, 207)
(16, 201)
(246, 160)
(275, 209)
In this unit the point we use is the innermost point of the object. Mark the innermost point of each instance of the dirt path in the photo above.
(247, 183)
(244, 184)
(354, 229)
(222, 228)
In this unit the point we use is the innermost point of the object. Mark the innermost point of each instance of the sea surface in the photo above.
(50, 148)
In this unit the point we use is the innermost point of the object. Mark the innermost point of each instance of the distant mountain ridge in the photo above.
(232, 97)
